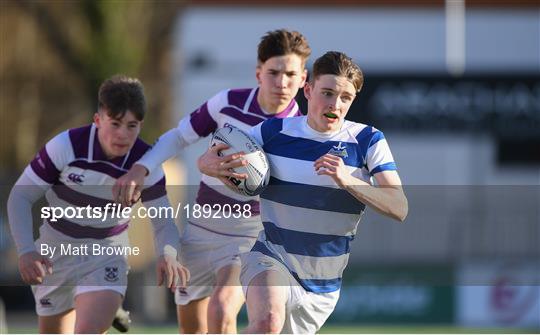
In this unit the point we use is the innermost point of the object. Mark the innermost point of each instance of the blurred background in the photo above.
(454, 85)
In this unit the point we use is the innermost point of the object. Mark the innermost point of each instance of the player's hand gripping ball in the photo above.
(257, 168)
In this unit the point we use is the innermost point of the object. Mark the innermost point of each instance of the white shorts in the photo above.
(204, 253)
(73, 275)
(305, 312)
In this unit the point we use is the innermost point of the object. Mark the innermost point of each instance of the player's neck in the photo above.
(269, 107)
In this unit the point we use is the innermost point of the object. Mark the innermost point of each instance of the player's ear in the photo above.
(304, 77)
(139, 130)
(97, 119)
(307, 90)
(258, 73)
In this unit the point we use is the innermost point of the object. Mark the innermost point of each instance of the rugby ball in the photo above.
(257, 169)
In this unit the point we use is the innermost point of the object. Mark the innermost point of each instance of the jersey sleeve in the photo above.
(166, 236)
(266, 130)
(46, 166)
(154, 186)
(38, 176)
(379, 157)
(167, 146)
(204, 120)
(255, 132)
(200, 123)
(23, 195)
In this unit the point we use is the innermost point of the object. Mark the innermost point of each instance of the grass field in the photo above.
(356, 329)
(333, 329)
(27, 324)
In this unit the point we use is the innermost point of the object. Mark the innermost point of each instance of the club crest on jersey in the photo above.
(111, 274)
(339, 150)
(76, 178)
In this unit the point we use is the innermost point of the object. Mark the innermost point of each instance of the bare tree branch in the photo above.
(53, 33)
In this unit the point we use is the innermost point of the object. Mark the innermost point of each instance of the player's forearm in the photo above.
(387, 200)
(167, 146)
(21, 198)
(166, 235)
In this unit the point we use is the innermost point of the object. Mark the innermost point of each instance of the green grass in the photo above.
(333, 329)
(414, 329)
(356, 329)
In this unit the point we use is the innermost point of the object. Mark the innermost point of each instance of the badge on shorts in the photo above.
(111, 273)
(182, 291)
(267, 264)
(45, 302)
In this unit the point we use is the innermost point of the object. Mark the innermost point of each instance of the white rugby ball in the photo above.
(257, 169)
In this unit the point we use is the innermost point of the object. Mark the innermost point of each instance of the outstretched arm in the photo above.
(167, 243)
(32, 266)
(127, 189)
(200, 123)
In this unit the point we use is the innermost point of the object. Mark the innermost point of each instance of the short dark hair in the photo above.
(339, 64)
(120, 94)
(282, 42)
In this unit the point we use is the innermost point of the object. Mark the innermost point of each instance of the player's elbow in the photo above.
(401, 209)
(397, 208)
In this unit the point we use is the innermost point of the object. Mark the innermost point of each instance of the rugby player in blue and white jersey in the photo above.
(322, 168)
(76, 289)
(210, 247)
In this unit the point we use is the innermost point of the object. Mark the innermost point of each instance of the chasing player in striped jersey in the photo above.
(74, 290)
(210, 248)
(321, 169)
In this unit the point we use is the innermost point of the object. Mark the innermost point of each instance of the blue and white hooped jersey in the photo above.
(308, 220)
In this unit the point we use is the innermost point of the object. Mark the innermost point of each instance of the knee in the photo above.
(272, 323)
(221, 313)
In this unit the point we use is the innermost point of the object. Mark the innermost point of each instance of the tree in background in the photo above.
(54, 55)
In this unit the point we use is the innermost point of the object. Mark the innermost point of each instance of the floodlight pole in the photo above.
(455, 36)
